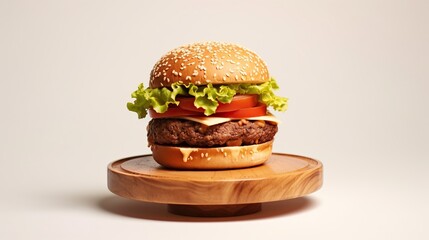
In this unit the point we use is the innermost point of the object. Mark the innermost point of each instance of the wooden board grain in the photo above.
(283, 176)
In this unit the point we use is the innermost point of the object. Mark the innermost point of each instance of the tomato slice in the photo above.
(171, 112)
(259, 110)
(238, 102)
(241, 106)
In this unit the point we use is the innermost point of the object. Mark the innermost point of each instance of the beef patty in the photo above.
(180, 132)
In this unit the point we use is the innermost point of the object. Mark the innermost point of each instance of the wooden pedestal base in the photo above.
(214, 210)
(216, 193)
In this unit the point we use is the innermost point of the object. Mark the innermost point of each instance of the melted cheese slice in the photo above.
(210, 121)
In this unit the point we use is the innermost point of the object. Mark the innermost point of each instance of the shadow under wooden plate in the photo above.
(159, 212)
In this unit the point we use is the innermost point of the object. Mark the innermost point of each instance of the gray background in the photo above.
(356, 74)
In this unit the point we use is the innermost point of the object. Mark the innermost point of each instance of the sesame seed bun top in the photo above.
(209, 62)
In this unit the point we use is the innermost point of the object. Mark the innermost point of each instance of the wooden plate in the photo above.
(215, 193)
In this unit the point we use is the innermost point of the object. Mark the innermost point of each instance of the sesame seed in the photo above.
(188, 78)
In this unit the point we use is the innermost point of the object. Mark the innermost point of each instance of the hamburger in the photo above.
(208, 103)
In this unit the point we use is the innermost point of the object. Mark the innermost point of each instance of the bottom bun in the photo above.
(212, 158)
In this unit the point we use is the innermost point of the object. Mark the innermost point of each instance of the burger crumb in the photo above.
(260, 123)
(236, 142)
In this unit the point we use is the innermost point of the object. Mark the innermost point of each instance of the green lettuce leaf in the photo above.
(158, 99)
(209, 96)
(206, 97)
